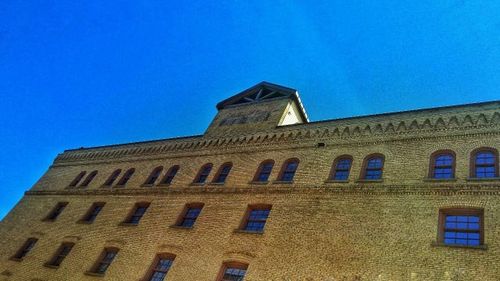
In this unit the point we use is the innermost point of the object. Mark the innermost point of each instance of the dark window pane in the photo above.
(233, 274)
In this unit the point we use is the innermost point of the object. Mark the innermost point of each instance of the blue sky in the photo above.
(87, 73)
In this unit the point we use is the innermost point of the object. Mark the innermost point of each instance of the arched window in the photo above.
(288, 170)
(264, 171)
(155, 174)
(442, 165)
(203, 173)
(89, 178)
(77, 179)
(372, 167)
(160, 267)
(128, 174)
(223, 172)
(232, 271)
(169, 176)
(341, 168)
(484, 163)
(112, 177)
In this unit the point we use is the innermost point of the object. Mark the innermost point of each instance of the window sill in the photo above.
(248, 231)
(50, 266)
(439, 180)
(216, 183)
(336, 181)
(370, 180)
(119, 186)
(282, 182)
(479, 247)
(197, 184)
(163, 184)
(147, 185)
(16, 259)
(181, 227)
(90, 273)
(128, 224)
(84, 222)
(484, 179)
(258, 182)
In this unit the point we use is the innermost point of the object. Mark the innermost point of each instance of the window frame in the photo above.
(59, 253)
(100, 260)
(231, 264)
(58, 208)
(473, 165)
(283, 170)
(126, 177)
(201, 173)
(333, 170)
(77, 179)
(90, 177)
(432, 164)
(22, 250)
(256, 177)
(112, 178)
(219, 173)
(364, 167)
(182, 216)
(131, 214)
(460, 211)
(170, 175)
(153, 176)
(152, 268)
(86, 216)
(246, 217)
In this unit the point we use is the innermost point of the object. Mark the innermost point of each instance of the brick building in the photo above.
(264, 194)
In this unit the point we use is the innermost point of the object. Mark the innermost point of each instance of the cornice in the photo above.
(468, 189)
(392, 129)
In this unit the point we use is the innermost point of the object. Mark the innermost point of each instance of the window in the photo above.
(61, 254)
(128, 174)
(255, 218)
(160, 267)
(233, 271)
(112, 177)
(484, 163)
(264, 171)
(25, 249)
(92, 213)
(341, 167)
(88, 179)
(372, 167)
(137, 213)
(461, 226)
(203, 173)
(56, 211)
(105, 260)
(78, 178)
(442, 165)
(223, 173)
(155, 174)
(189, 215)
(169, 177)
(288, 170)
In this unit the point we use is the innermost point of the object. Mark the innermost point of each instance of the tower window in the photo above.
(77, 179)
(189, 215)
(256, 217)
(223, 173)
(137, 213)
(461, 227)
(155, 174)
(203, 173)
(169, 177)
(61, 254)
(233, 271)
(288, 170)
(484, 163)
(89, 179)
(92, 213)
(372, 167)
(105, 260)
(112, 177)
(341, 168)
(160, 267)
(126, 177)
(442, 165)
(25, 249)
(264, 171)
(52, 216)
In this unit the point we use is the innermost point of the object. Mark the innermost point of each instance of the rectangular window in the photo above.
(160, 268)
(256, 217)
(105, 260)
(233, 271)
(61, 254)
(462, 227)
(92, 213)
(25, 249)
(137, 213)
(189, 215)
(52, 216)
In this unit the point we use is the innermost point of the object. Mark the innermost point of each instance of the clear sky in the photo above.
(87, 73)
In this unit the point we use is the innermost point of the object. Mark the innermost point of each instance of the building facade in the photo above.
(265, 194)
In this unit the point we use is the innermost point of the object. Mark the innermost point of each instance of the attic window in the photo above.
(259, 95)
